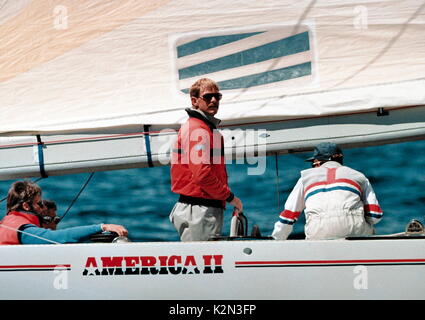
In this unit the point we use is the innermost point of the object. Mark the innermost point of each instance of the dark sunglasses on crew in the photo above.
(316, 164)
(49, 219)
(209, 96)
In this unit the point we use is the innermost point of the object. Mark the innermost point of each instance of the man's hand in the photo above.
(115, 228)
(237, 203)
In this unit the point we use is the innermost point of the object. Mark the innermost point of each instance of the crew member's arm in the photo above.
(34, 235)
(372, 210)
(294, 205)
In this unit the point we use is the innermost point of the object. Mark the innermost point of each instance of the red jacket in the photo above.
(13, 221)
(198, 167)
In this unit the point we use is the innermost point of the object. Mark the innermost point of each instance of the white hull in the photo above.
(240, 270)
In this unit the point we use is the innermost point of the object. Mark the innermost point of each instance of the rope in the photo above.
(67, 210)
(34, 181)
(73, 200)
(29, 234)
(79, 193)
(277, 181)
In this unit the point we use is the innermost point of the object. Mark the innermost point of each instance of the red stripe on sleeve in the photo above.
(290, 214)
(372, 207)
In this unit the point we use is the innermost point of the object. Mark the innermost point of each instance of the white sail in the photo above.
(74, 71)
(90, 85)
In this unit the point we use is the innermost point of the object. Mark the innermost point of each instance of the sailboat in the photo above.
(91, 86)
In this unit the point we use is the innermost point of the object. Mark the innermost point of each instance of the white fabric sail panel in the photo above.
(75, 65)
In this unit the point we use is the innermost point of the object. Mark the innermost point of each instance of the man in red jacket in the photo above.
(198, 169)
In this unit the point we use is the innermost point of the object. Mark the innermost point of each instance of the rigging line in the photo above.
(29, 234)
(79, 193)
(277, 181)
(386, 48)
(36, 180)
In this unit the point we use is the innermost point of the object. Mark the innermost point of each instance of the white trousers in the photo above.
(195, 222)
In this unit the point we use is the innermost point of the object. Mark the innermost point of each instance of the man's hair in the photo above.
(20, 192)
(338, 158)
(202, 83)
(49, 204)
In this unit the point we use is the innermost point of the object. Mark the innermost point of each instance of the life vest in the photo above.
(198, 166)
(13, 221)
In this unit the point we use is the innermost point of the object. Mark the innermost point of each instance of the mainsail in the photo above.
(99, 85)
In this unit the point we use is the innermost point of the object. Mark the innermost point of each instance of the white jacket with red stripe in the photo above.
(337, 201)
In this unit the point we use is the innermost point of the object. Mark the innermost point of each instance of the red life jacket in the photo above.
(198, 167)
(13, 221)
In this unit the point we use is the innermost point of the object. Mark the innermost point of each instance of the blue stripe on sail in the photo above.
(258, 79)
(267, 77)
(210, 42)
(276, 49)
(332, 189)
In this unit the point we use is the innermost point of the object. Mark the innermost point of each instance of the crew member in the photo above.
(198, 169)
(337, 201)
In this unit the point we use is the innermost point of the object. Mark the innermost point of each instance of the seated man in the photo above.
(50, 218)
(23, 223)
(337, 201)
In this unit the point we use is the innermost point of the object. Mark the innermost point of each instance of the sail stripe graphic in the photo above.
(245, 60)
(275, 49)
(267, 77)
(262, 78)
(210, 42)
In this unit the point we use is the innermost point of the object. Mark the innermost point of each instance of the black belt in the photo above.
(201, 201)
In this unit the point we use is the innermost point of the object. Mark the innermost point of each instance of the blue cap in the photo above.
(324, 151)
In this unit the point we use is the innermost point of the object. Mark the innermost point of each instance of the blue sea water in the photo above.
(141, 200)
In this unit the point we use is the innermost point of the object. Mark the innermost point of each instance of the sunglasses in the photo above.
(209, 96)
(50, 219)
(316, 164)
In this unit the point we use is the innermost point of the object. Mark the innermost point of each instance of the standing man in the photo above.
(198, 169)
(337, 201)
